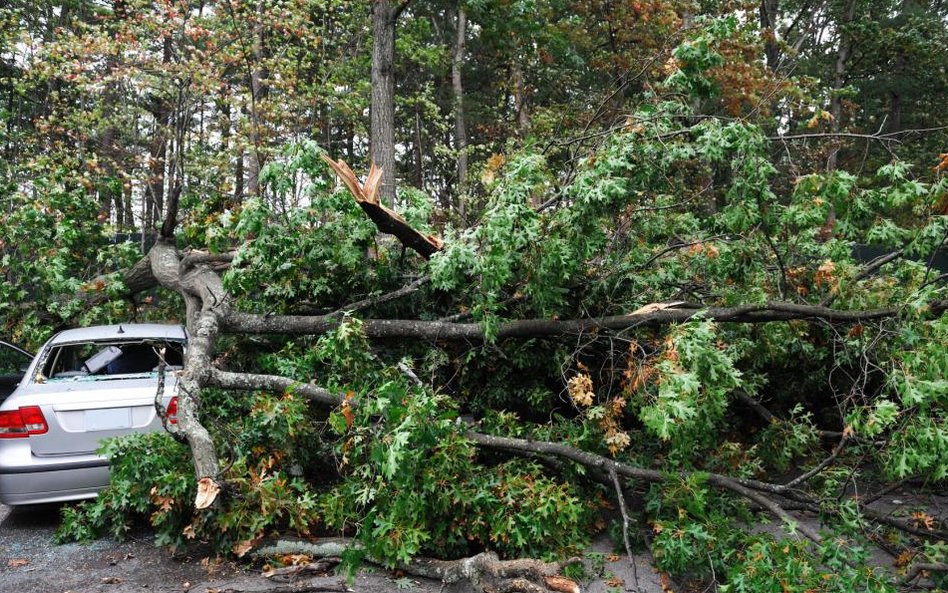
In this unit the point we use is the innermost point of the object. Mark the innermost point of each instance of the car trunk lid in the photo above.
(79, 418)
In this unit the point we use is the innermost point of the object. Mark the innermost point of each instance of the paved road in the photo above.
(31, 562)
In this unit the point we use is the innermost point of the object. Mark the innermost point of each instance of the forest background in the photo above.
(662, 268)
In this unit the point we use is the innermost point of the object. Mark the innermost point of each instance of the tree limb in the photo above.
(247, 323)
(255, 382)
(922, 567)
(386, 219)
(749, 489)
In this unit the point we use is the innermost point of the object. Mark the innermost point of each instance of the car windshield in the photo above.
(98, 361)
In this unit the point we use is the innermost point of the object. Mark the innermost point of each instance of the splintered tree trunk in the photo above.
(460, 125)
(382, 132)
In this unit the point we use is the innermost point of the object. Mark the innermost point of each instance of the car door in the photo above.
(13, 364)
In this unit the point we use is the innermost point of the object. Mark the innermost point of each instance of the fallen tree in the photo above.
(652, 374)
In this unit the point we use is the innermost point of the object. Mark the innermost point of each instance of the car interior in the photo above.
(100, 360)
(13, 364)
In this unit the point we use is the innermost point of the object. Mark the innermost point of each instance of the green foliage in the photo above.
(783, 442)
(689, 395)
(413, 485)
(600, 191)
(769, 564)
(152, 479)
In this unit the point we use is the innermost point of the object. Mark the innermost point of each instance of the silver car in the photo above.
(84, 385)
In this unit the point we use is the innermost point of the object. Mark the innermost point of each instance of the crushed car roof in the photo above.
(124, 331)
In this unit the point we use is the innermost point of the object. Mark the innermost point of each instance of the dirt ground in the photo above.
(31, 563)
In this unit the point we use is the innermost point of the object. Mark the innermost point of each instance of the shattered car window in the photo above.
(96, 361)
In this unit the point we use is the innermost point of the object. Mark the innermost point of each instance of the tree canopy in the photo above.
(684, 259)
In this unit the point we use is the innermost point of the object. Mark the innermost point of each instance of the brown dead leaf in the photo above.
(240, 549)
(612, 558)
(653, 307)
(347, 414)
(296, 559)
(904, 559)
(615, 581)
(207, 493)
(924, 520)
(561, 584)
(665, 581)
(110, 580)
(17, 562)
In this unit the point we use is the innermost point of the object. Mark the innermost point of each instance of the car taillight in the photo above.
(172, 411)
(17, 424)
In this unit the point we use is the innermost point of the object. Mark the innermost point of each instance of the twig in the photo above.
(755, 405)
(159, 396)
(823, 464)
(406, 370)
(625, 525)
(675, 247)
(384, 298)
(869, 269)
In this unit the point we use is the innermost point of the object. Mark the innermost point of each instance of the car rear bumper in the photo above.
(52, 480)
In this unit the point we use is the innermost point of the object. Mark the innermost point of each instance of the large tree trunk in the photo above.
(839, 76)
(520, 98)
(382, 131)
(257, 94)
(769, 13)
(157, 154)
(207, 303)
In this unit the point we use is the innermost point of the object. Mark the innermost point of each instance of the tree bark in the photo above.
(460, 125)
(839, 76)
(207, 303)
(257, 93)
(769, 12)
(382, 110)
(248, 323)
(520, 98)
